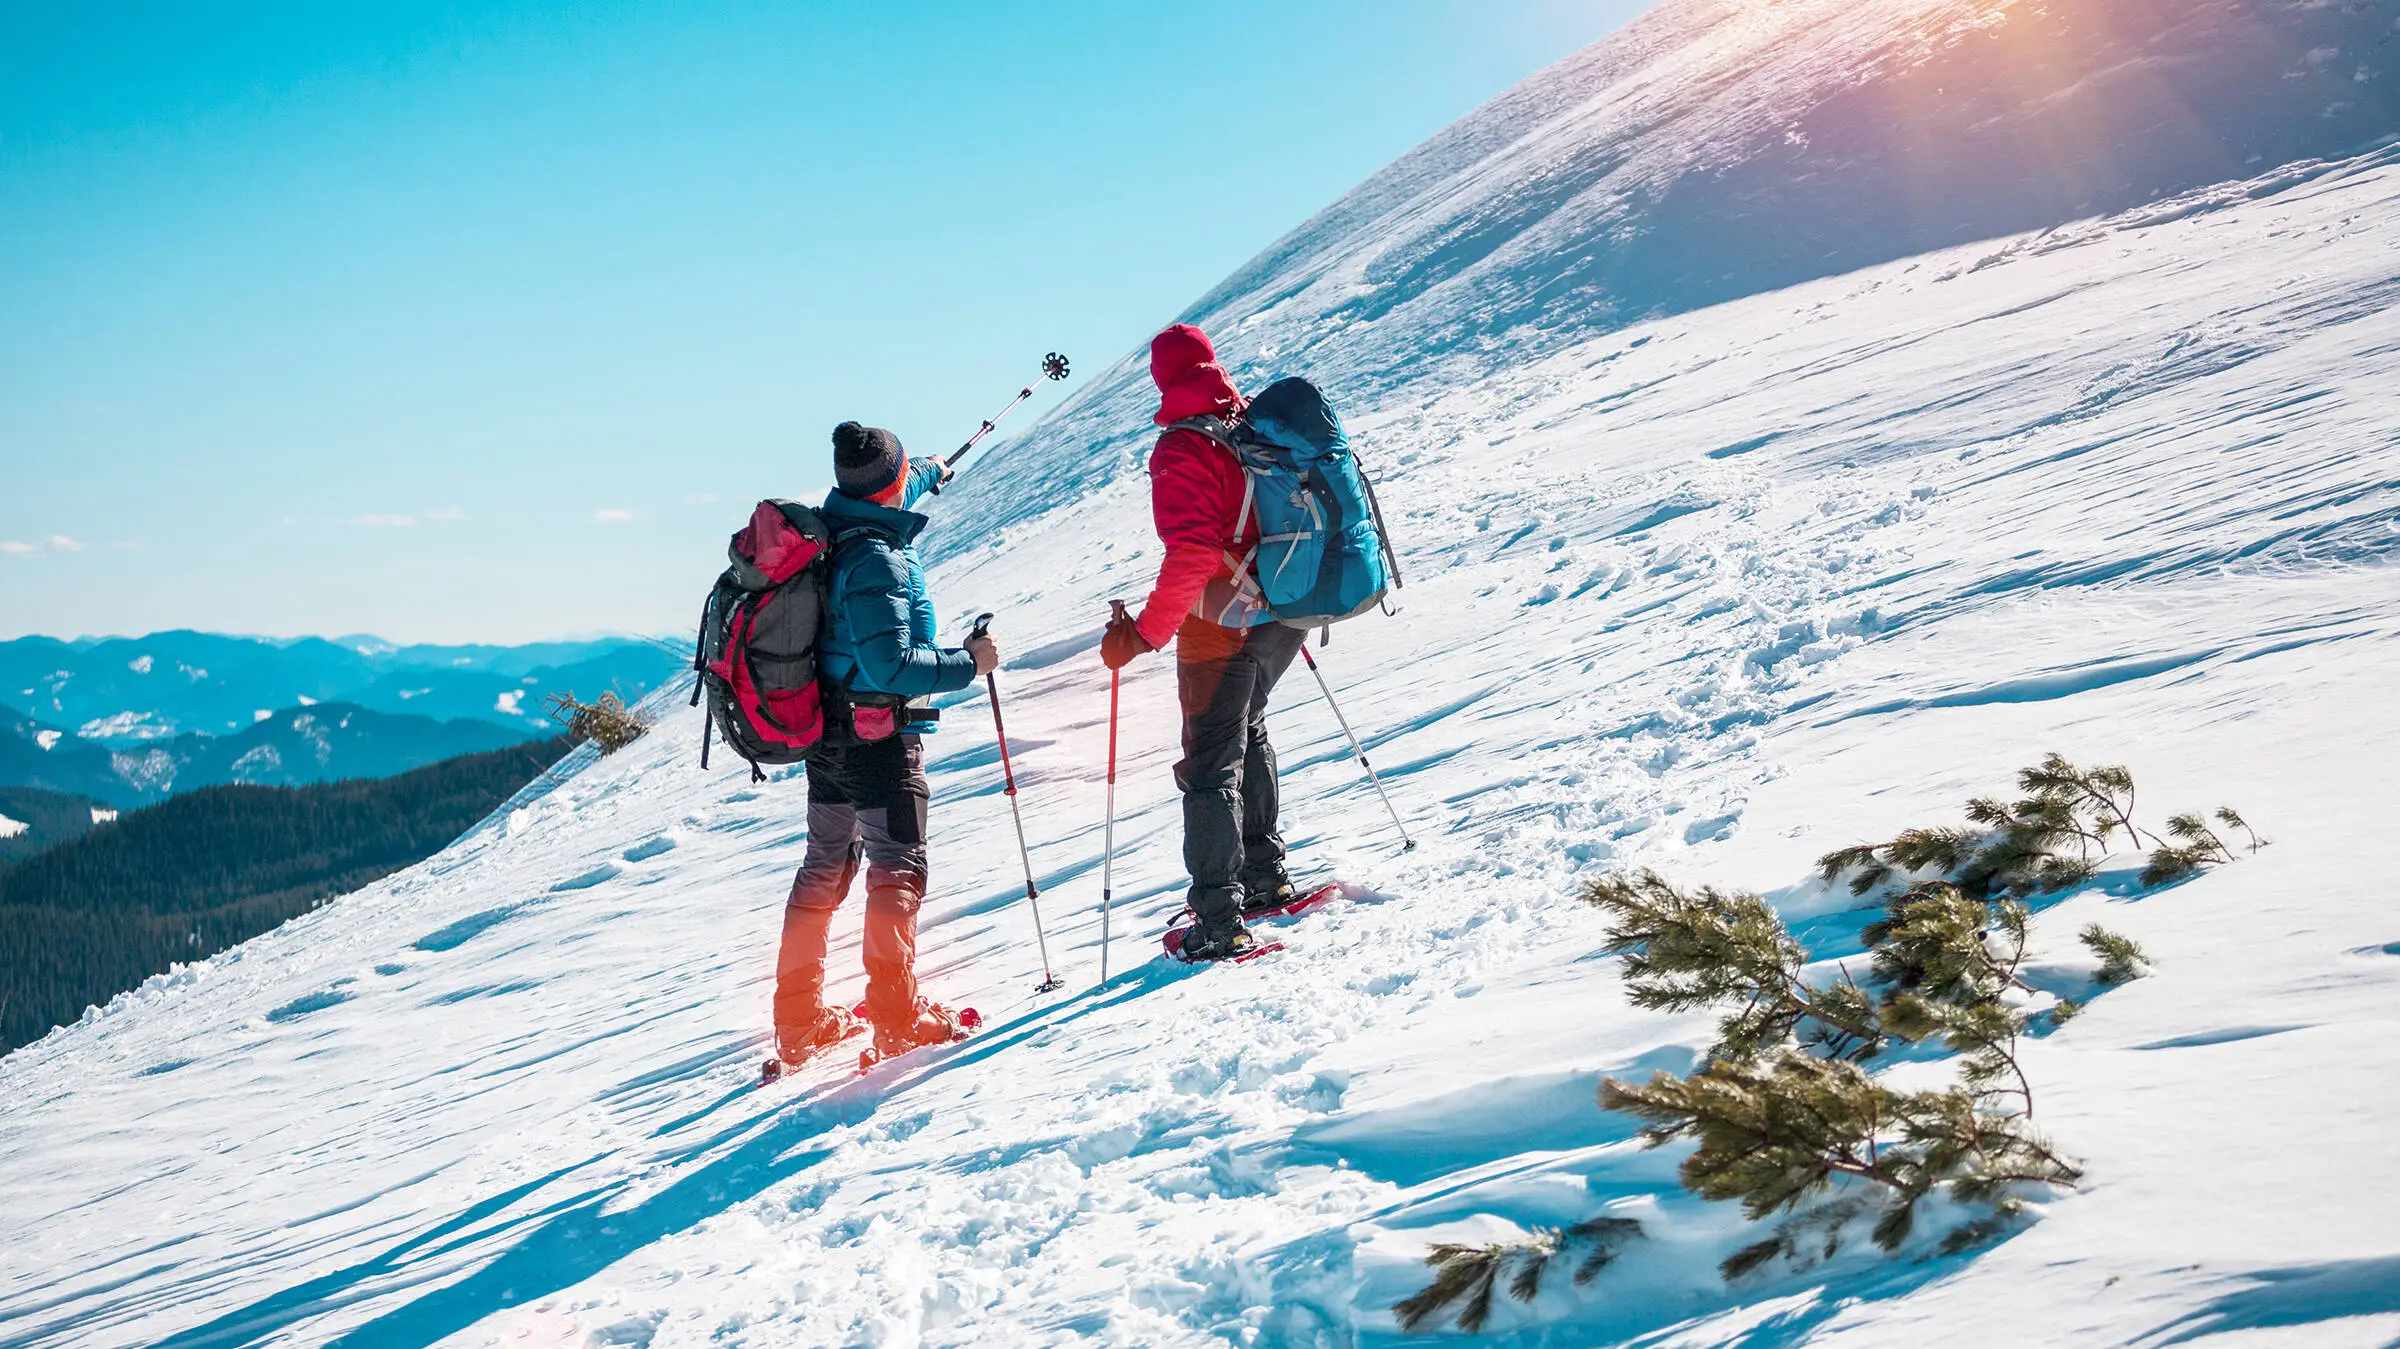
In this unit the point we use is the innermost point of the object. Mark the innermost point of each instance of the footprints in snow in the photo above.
(467, 929)
(307, 1003)
(651, 847)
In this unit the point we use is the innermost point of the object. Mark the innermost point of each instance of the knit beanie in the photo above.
(868, 461)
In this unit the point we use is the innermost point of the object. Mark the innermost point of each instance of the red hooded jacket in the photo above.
(1195, 483)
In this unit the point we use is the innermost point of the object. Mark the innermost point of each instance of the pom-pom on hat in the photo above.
(868, 462)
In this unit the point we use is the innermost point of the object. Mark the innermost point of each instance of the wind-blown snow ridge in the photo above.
(1714, 592)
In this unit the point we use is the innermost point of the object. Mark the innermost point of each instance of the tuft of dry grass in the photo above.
(608, 723)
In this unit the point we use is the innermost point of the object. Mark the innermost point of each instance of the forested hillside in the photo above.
(32, 819)
(192, 876)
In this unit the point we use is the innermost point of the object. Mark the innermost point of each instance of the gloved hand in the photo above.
(1122, 642)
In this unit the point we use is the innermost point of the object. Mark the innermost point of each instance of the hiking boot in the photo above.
(798, 1042)
(930, 1024)
(1267, 892)
(1217, 940)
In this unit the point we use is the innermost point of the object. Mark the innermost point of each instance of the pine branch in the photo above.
(2171, 864)
(1466, 1276)
(1462, 1274)
(2122, 960)
(1931, 940)
(1776, 1133)
(1682, 952)
(2194, 831)
(2232, 819)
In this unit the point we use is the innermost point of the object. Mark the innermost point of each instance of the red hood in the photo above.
(1183, 363)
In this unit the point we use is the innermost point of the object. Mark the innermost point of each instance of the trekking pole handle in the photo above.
(983, 627)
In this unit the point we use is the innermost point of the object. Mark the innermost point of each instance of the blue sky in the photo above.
(478, 321)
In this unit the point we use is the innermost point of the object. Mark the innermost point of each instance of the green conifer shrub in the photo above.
(1785, 1116)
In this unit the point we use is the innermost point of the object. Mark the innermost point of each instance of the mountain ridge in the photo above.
(130, 689)
(1714, 149)
(128, 719)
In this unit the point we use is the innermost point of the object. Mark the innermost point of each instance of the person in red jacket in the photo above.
(1228, 654)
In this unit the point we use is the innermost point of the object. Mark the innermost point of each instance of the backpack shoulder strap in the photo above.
(1217, 429)
(1242, 565)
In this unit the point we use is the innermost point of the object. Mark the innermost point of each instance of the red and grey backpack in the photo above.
(757, 657)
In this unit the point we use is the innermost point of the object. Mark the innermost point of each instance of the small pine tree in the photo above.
(607, 723)
(1784, 1118)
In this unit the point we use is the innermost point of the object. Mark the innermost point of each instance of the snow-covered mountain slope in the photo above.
(1721, 148)
(1714, 592)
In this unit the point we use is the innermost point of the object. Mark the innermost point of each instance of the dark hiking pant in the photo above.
(1230, 833)
(865, 803)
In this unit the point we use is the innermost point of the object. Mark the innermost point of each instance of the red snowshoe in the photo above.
(1314, 899)
(796, 1045)
(933, 1024)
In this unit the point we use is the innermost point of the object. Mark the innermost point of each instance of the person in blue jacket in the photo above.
(867, 794)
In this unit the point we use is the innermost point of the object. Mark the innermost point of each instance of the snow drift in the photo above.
(1712, 584)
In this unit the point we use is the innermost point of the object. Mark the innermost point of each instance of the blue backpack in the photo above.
(1322, 553)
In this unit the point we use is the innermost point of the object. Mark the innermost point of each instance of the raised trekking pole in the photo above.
(1054, 366)
(1407, 844)
(1108, 831)
(991, 686)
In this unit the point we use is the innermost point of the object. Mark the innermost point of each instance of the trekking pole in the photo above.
(1108, 831)
(1407, 844)
(1054, 366)
(991, 686)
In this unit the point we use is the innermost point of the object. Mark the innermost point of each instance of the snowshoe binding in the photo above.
(795, 1045)
(932, 1024)
(1266, 894)
(1225, 940)
(1185, 941)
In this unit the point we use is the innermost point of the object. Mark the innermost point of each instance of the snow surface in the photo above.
(1707, 586)
(1713, 593)
(11, 828)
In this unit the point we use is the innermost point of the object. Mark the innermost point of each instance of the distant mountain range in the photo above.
(129, 721)
(125, 691)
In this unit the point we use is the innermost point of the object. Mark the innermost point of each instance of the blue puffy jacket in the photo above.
(879, 624)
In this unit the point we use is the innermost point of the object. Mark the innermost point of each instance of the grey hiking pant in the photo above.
(1231, 834)
(865, 803)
